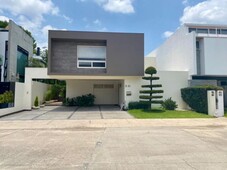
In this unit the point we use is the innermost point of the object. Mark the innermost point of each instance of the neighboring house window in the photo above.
(224, 31)
(22, 62)
(91, 56)
(218, 31)
(192, 29)
(212, 31)
(202, 31)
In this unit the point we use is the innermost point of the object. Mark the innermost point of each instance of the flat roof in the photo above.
(205, 25)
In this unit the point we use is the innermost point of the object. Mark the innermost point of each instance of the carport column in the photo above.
(28, 91)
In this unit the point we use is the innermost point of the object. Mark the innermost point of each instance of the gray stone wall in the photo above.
(64, 59)
(17, 37)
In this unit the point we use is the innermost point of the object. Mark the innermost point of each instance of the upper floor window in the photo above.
(192, 29)
(212, 31)
(202, 31)
(91, 56)
(224, 31)
(207, 31)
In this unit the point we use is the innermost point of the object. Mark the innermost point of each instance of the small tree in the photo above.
(36, 102)
(151, 96)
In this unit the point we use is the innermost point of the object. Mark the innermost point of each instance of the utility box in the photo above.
(220, 103)
(215, 101)
(211, 99)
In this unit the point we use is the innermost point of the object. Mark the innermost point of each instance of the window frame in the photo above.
(91, 61)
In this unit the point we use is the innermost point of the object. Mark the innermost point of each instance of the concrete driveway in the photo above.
(72, 113)
(188, 144)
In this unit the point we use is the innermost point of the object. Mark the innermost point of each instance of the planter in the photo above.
(42, 105)
(3, 105)
(10, 104)
(35, 107)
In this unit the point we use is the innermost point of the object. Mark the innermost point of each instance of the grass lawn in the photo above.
(225, 112)
(162, 114)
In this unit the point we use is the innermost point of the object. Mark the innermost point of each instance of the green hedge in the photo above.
(84, 100)
(196, 97)
(138, 105)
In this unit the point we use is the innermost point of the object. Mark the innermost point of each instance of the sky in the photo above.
(157, 19)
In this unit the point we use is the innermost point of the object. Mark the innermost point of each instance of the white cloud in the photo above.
(46, 28)
(185, 2)
(167, 34)
(4, 18)
(207, 12)
(68, 19)
(30, 9)
(117, 6)
(97, 22)
(30, 14)
(44, 35)
(95, 25)
(103, 29)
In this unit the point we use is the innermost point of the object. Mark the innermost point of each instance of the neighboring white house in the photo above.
(199, 49)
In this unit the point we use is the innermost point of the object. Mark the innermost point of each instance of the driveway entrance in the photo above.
(72, 113)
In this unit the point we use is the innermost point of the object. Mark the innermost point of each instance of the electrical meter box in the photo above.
(215, 101)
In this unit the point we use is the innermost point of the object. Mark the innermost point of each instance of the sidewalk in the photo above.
(52, 124)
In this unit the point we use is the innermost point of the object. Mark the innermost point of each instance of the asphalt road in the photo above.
(114, 144)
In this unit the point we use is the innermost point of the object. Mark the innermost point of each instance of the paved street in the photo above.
(77, 113)
(114, 144)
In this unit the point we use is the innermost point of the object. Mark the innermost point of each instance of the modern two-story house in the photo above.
(199, 49)
(104, 64)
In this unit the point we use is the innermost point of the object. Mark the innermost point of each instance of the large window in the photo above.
(91, 56)
(22, 62)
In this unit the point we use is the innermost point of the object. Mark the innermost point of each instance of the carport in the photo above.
(106, 92)
(109, 90)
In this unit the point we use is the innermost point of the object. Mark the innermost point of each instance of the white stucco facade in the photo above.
(177, 53)
(215, 56)
(193, 51)
(199, 50)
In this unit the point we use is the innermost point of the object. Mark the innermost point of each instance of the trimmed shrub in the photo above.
(169, 104)
(196, 97)
(7, 97)
(48, 95)
(84, 100)
(138, 105)
(36, 102)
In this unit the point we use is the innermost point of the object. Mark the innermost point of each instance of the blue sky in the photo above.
(157, 19)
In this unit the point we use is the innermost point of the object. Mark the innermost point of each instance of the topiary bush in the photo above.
(169, 104)
(138, 105)
(150, 95)
(196, 97)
